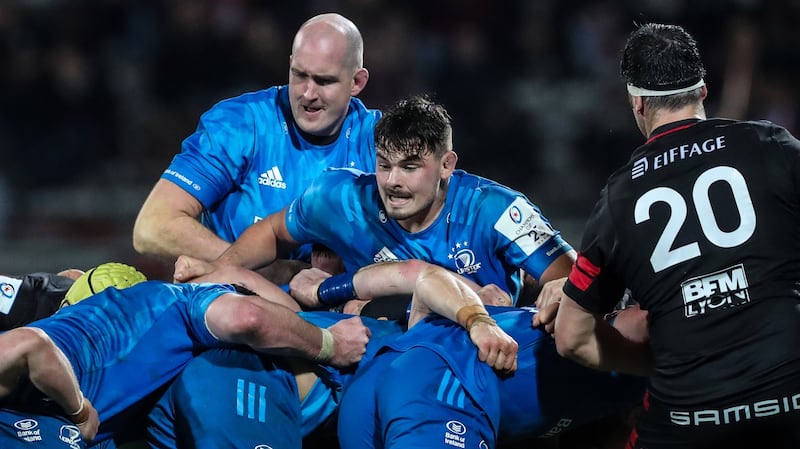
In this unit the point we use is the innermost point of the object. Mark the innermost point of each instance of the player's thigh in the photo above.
(421, 403)
(357, 424)
(229, 398)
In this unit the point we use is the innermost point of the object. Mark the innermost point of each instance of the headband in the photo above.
(641, 92)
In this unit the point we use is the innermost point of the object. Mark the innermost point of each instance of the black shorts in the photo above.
(767, 420)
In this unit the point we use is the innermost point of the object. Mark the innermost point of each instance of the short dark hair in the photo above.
(663, 57)
(413, 127)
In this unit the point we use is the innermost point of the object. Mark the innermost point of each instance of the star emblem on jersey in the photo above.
(463, 258)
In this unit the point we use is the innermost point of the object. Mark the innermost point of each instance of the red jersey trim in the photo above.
(583, 274)
(669, 131)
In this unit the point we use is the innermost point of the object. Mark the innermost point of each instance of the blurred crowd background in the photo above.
(96, 96)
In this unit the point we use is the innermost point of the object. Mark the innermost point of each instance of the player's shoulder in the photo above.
(343, 173)
(465, 181)
(763, 130)
(248, 104)
(358, 108)
(335, 179)
(475, 191)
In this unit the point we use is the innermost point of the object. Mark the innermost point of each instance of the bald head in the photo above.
(334, 31)
(326, 69)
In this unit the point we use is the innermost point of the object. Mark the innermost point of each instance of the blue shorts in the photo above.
(377, 410)
(21, 430)
(228, 398)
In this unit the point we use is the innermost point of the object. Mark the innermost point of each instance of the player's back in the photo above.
(546, 395)
(705, 220)
(125, 344)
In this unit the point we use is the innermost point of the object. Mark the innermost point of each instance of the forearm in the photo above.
(260, 244)
(298, 338)
(387, 278)
(394, 278)
(591, 341)
(268, 290)
(179, 236)
(168, 226)
(442, 292)
(264, 326)
(380, 280)
(252, 281)
(50, 371)
(619, 353)
(281, 271)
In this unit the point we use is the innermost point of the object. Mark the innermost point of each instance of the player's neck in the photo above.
(319, 140)
(663, 117)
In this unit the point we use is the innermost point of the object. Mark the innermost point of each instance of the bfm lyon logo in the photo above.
(715, 291)
(463, 258)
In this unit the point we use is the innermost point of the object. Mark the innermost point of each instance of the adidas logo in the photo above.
(384, 255)
(272, 178)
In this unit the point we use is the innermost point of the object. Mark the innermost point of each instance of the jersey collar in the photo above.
(670, 128)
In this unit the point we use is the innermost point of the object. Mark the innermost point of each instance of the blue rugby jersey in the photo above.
(255, 397)
(485, 232)
(546, 395)
(247, 158)
(126, 344)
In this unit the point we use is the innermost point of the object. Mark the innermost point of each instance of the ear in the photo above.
(703, 92)
(360, 79)
(637, 103)
(449, 163)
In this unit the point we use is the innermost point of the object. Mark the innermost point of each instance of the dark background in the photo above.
(96, 96)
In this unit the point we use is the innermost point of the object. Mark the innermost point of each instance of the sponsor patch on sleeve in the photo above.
(523, 225)
(9, 287)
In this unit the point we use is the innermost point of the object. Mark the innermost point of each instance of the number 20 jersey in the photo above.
(703, 226)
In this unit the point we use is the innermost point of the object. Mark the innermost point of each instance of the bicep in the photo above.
(168, 200)
(559, 268)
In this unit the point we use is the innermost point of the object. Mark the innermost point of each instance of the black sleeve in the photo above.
(390, 307)
(38, 297)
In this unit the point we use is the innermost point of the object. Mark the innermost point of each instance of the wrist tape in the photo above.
(336, 290)
(471, 315)
(326, 350)
(82, 414)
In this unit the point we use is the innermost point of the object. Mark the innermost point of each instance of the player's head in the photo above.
(661, 64)
(97, 279)
(325, 69)
(415, 158)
